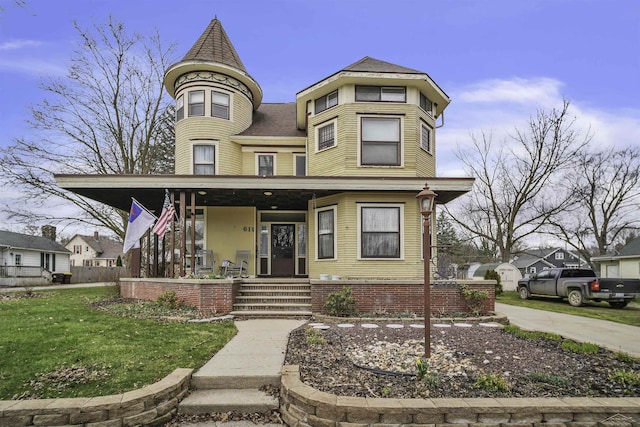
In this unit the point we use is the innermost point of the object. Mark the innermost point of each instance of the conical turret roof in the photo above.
(214, 46)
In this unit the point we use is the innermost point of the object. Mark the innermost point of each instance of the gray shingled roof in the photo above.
(214, 46)
(274, 120)
(105, 247)
(632, 248)
(372, 65)
(26, 241)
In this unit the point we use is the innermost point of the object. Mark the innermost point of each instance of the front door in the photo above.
(283, 250)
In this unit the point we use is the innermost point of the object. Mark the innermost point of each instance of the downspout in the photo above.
(442, 116)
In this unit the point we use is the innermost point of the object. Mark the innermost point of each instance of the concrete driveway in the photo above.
(610, 335)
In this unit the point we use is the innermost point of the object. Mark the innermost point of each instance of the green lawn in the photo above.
(629, 315)
(56, 345)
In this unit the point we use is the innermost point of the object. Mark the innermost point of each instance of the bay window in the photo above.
(381, 94)
(380, 141)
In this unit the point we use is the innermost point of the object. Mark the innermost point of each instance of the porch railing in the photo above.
(20, 271)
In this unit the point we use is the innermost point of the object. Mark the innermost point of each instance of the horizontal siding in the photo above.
(347, 264)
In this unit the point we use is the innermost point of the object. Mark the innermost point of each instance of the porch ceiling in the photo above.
(287, 193)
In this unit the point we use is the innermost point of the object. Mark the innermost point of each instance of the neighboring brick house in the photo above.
(536, 260)
(94, 251)
(625, 263)
(323, 186)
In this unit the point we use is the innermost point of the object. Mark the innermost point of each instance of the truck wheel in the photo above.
(575, 298)
(618, 304)
(524, 292)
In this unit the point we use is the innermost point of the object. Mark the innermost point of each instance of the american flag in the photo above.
(165, 217)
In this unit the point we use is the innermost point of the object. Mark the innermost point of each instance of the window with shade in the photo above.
(180, 108)
(204, 159)
(196, 103)
(380, 141)
(380, 231)
(326, 102)
(220, 104)
(381, 94)
(326, 234)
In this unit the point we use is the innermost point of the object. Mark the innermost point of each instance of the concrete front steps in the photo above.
(260, 298)
(232, 379)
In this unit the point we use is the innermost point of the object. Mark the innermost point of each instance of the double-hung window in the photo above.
(180, 108)
(380, 141)
(425, 138)
(300, 164)
(326, 102)
(326, 233)
(426, 104)
(380, 231)
(220, 104)
(196, 103)
(266, 165)
(381, 94)
(204, 160)
(326, 136)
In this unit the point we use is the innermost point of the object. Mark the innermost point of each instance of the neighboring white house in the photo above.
(94, 251)
(509, 274)
(625, 264)
(27, 260)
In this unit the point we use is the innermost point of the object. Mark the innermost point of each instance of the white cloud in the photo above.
(36, 67)
(499, 106)
(19, 44)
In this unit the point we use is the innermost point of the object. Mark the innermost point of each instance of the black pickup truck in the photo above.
(579, 286)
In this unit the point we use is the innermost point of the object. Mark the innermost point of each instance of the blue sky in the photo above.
(498, 60)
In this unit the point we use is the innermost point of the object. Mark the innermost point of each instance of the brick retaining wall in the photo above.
(208, 295)
(153, 405)
(401, 296)
(304, 406)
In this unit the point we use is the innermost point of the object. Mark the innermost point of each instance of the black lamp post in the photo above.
(427, 200)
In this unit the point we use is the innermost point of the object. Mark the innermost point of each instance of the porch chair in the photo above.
(205, 261)
(238, 269)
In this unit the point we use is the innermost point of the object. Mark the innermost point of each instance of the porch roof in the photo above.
(286, 192)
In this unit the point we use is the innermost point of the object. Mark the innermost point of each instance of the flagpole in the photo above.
(143, 207)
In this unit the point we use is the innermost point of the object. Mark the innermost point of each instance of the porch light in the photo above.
(267, 193)
(202, 193)
(427, 199)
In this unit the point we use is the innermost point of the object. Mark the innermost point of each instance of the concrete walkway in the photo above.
(610, 335)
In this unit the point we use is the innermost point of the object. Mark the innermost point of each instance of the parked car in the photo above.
(579, 286)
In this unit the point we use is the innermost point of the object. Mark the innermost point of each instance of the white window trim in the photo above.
(326, 97)
(429, 130)
(295, 162)
(216, 153)
(380, 205)
(230, 94)
(559, 255)
(204, 103)
(359, 140)
(180, 100)
(335, 233)
(257, 162)
(317, 135)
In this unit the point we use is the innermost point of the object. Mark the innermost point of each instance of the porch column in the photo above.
(193, 231)
(172, 246)
(183, 229)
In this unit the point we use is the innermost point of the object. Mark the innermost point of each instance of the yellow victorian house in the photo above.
(323, 187)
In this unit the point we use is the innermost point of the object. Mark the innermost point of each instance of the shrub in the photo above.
(624, 377)
(555, 380)
(493, 275)
(169, 300)
(314, 337)
(341, 304)
(475, 298)
(492, 382)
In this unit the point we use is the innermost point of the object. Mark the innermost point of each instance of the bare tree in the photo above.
(109, 115)
(606, 186)
(513, 196)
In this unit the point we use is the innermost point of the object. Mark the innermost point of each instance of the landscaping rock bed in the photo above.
(470, 359)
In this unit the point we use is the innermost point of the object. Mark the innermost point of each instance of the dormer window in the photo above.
(180, 108)
(196, 103)
(381, 94)
(220, 105)
(426, 104)
(326, 102)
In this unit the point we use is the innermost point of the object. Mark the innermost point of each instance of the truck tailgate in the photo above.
(620, 286)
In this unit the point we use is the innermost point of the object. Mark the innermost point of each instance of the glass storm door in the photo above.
(283, 250)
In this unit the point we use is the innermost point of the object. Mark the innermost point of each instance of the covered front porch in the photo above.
(272, 218)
